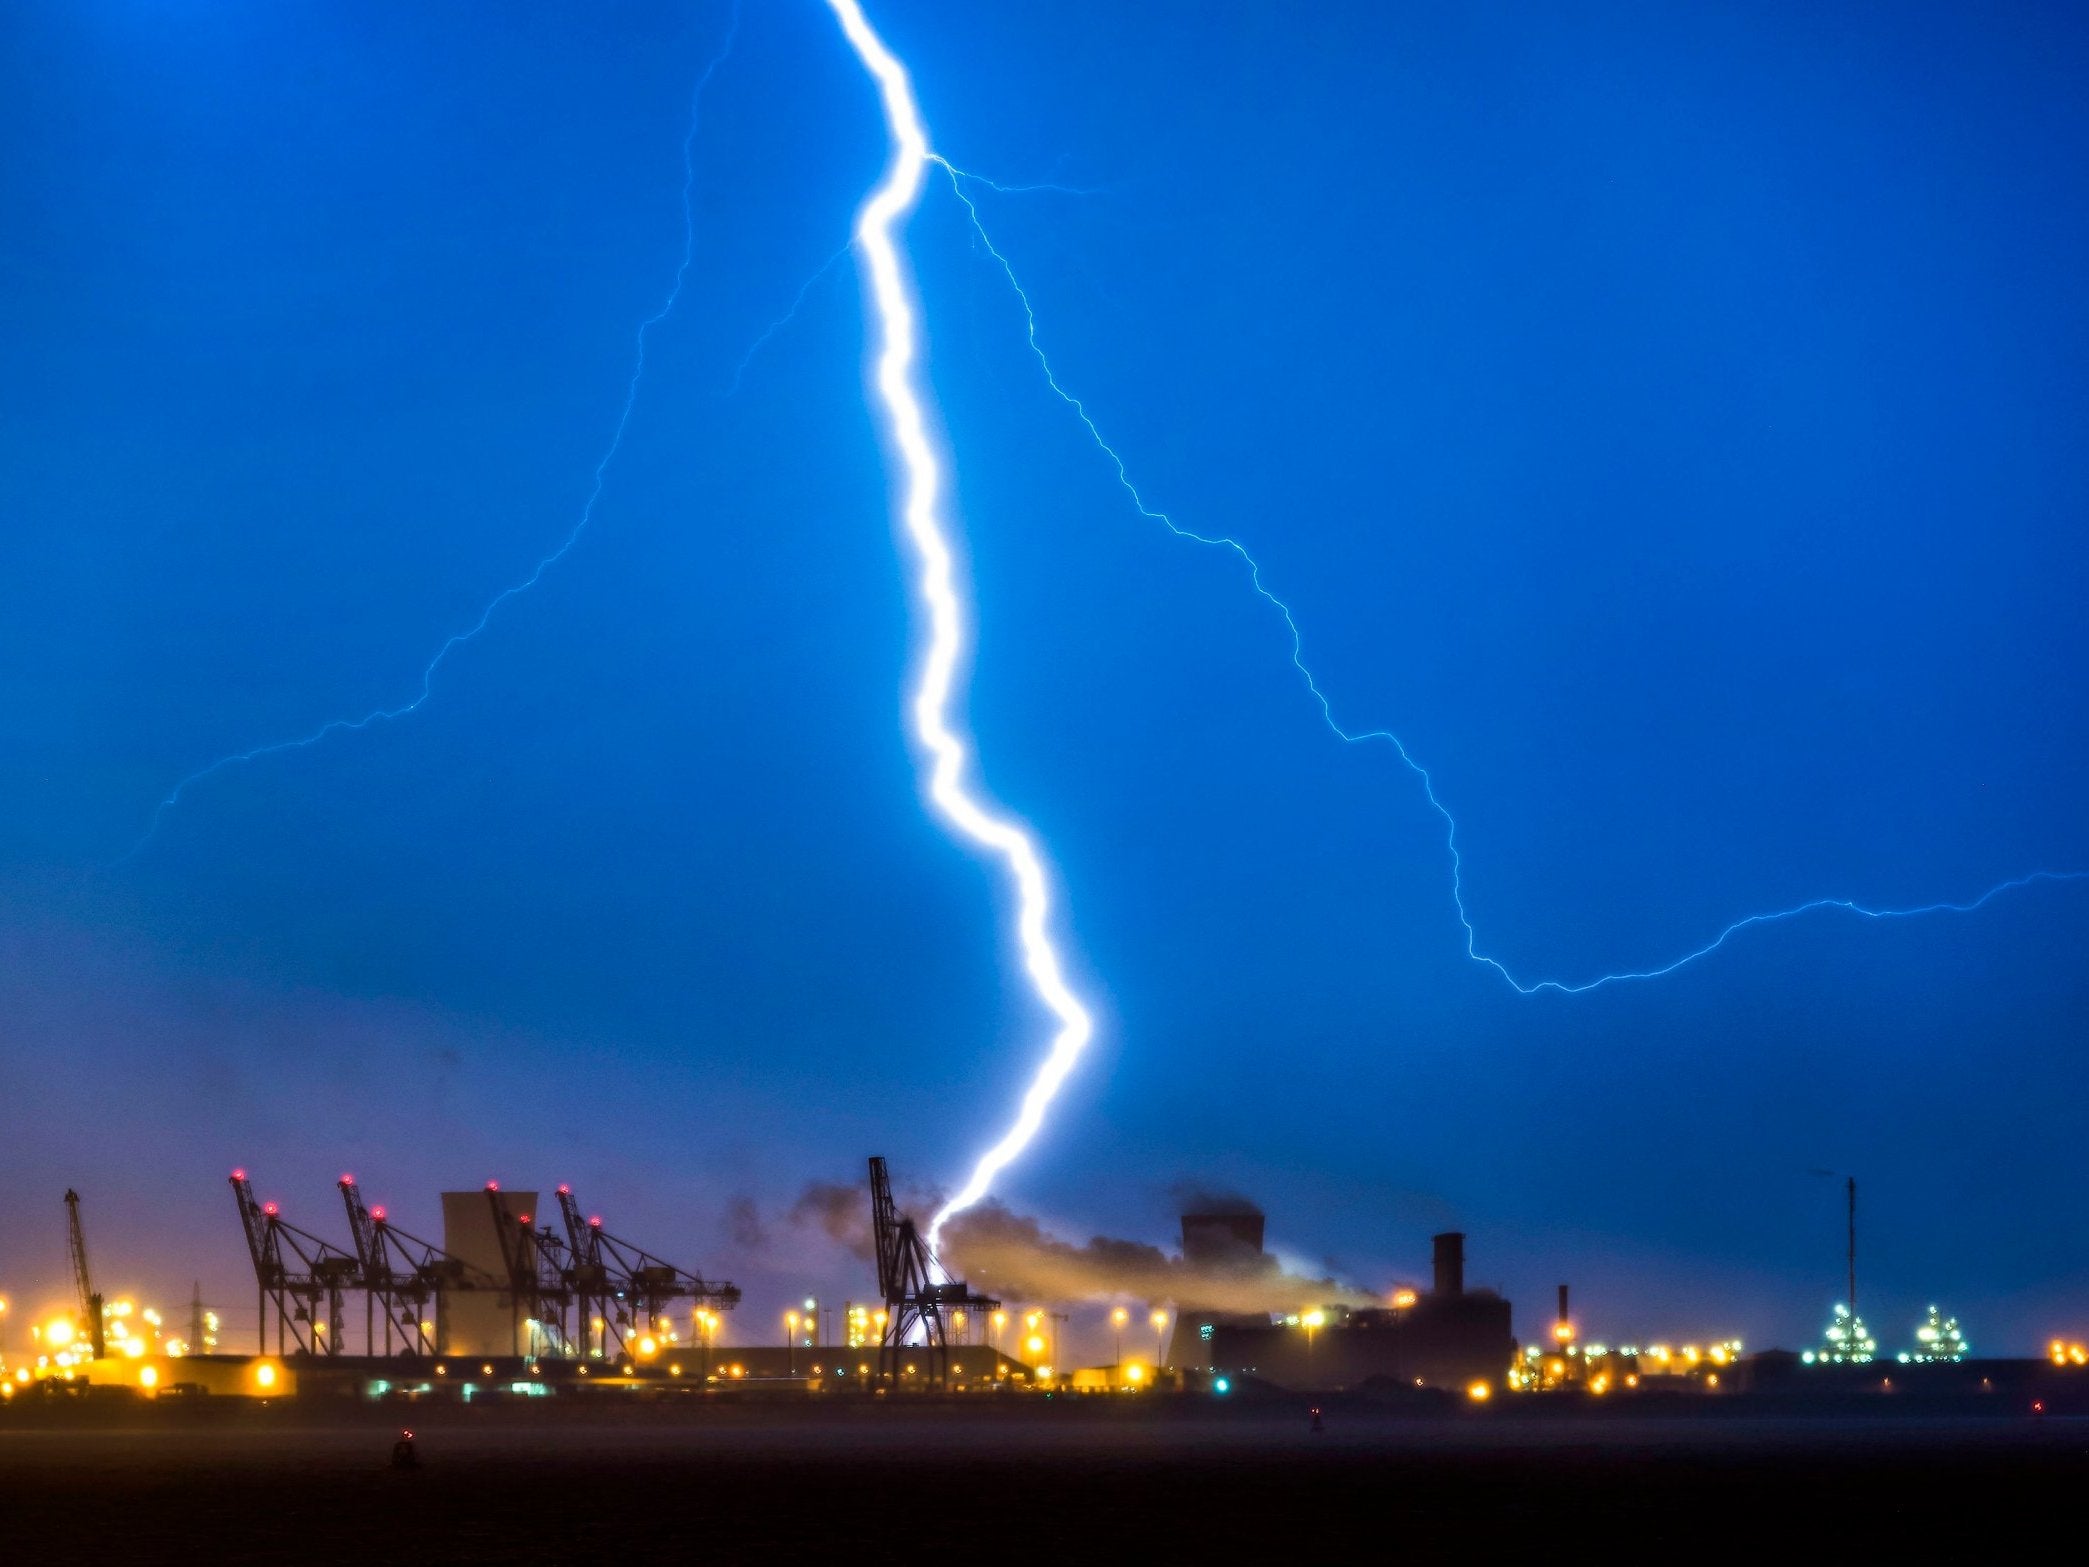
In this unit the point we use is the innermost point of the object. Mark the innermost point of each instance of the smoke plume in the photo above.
(743, 1222)
(1011, 1255)
(841, 1213)
(1196, 1197)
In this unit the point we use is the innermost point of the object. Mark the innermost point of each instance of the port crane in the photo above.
(539, 1278)
(400, 1274)
(301, 1276)
(908, 1279)
(620, 1290)
(90, 1297)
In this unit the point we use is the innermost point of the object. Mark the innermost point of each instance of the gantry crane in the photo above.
(297, 1273)
(538, 1277)
(400, 1274)
(620, 1290)
(907, 1277)
(90, 1297)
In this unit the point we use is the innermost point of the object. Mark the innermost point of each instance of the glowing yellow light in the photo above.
(58, 1331)
(1402, 1299)
(1479, 1392)
(1311, 1319)
(1599, 1384)
(649, 1345)
(1160, 1319)
(148, 1377)
(1034, 1344)
(1563, 1331)
(133, 1347)
(1135, 1372)
(265, 1375)
(1120, 1316)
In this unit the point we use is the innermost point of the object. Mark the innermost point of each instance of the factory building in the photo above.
(1448, 1336)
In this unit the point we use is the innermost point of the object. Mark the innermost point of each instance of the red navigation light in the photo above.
(524, 1219)
(377, 1214)
(493, 1186)
(565, 1190)
(348, 1180)
(269, 1208)
(594, 1221)
(239, 1175)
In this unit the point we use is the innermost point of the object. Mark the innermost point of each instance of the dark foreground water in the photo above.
(1063, 1482)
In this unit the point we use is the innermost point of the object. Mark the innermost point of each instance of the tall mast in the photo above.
(1853, 1245)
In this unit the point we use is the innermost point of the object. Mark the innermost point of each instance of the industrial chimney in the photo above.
(1450, 1263)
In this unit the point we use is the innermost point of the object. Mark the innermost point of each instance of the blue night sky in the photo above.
(1667, 419)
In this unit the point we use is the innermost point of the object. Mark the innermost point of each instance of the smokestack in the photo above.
(1563, 1304)
(1450, 1263)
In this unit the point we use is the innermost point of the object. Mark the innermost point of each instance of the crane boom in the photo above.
(90, 1298)
(920, 1296)
(619, 1289)
(297, 1273)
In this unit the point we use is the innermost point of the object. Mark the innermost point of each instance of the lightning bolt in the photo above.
(382, 715)
(958, 179)
(1004, 839)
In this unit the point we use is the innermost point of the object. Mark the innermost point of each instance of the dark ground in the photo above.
(1065, 1481)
